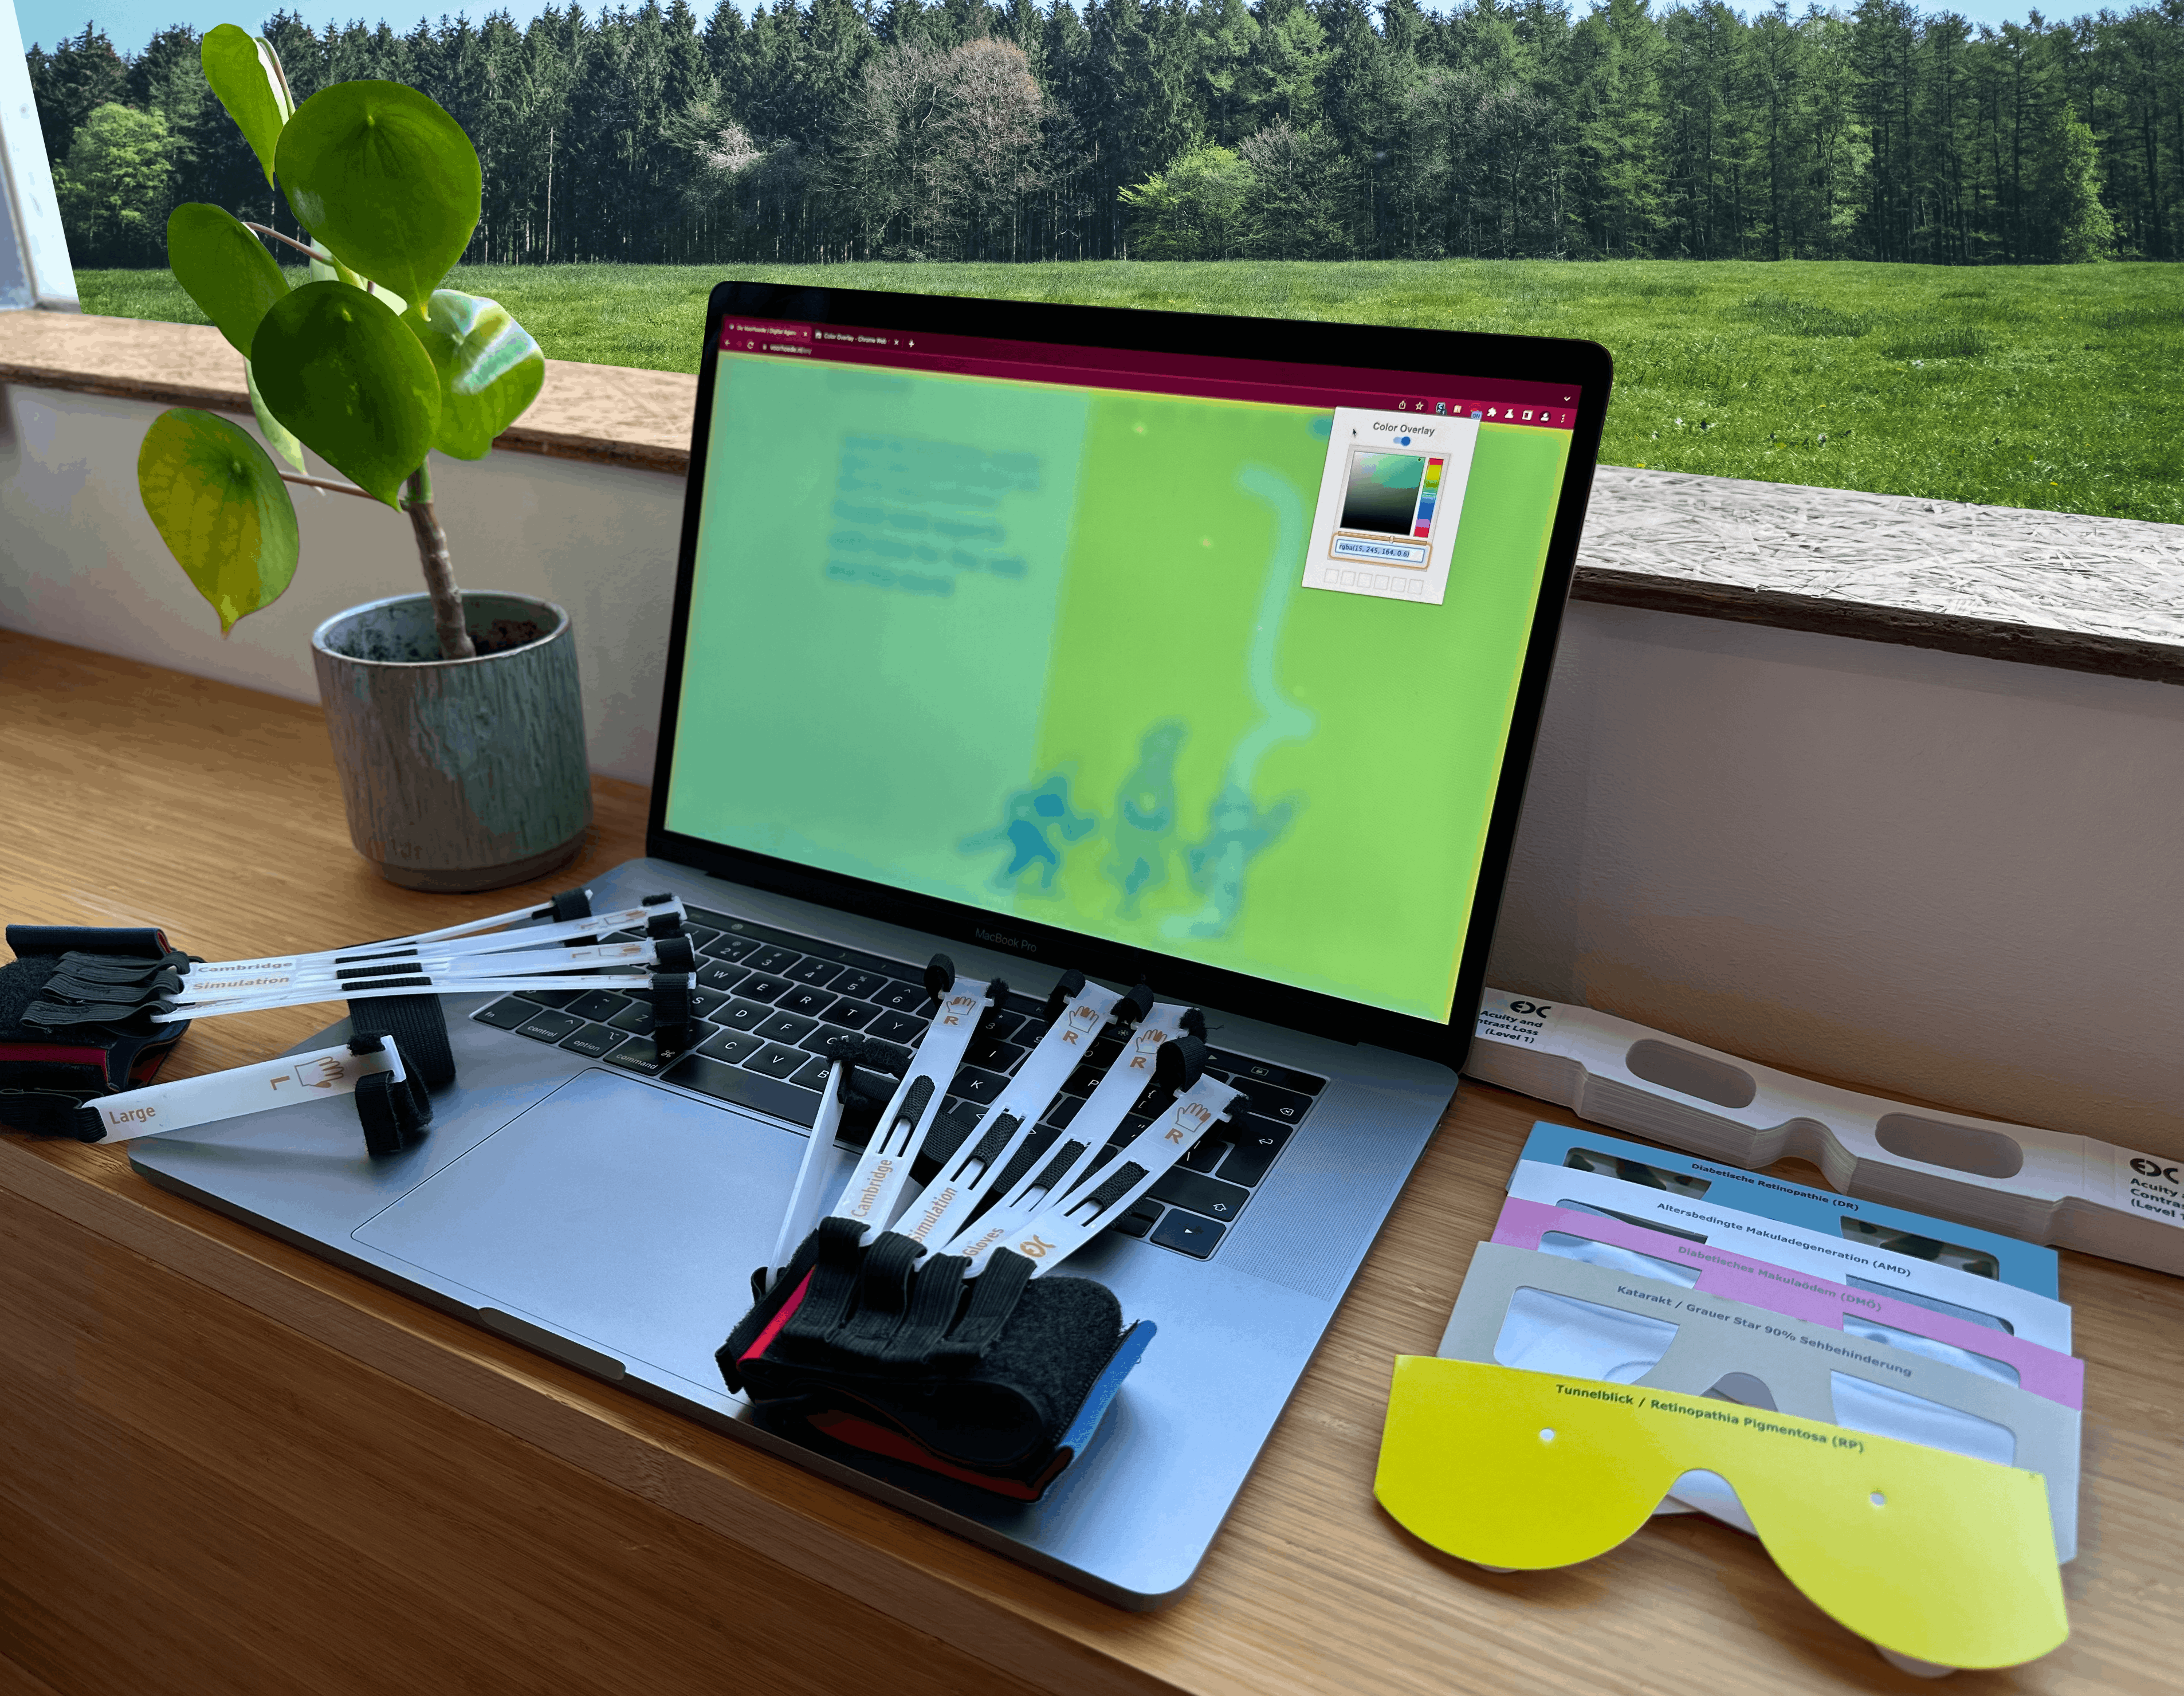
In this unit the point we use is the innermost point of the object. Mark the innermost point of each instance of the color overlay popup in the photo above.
(1391, 498)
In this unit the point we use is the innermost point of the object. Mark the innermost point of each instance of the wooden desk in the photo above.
(227, 1467)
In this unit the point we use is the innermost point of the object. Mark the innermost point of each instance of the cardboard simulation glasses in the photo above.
(1540, 1313)
(1930, 1555)
(1945, 1289)
(2046, 1186)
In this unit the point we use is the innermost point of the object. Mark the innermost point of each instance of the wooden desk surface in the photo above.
(227, 1466)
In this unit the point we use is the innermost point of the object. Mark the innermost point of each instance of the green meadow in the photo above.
(2053, 386)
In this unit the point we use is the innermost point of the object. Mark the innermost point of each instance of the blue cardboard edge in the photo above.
(1096, 1399)
(2028, 1266)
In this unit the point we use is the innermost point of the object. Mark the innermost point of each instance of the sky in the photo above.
(131, 23)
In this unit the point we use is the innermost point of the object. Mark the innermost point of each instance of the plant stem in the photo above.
(321, 482)
(267, 230)
(439, 571)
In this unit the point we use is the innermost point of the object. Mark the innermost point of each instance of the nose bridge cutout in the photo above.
(1883, 1410)
(1745, 1390)
(1542, 1331)
(1690, 1073)
(1960, 1147)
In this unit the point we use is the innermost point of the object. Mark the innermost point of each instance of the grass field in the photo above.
(2050, 387)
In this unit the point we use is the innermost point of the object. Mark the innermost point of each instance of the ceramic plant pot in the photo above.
(459, 774)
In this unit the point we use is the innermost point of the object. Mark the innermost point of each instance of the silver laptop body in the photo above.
(580, 1196)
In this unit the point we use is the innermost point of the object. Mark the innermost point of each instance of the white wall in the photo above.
(1917, 872)
(80, 562)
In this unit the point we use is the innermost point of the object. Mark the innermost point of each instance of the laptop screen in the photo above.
(1209, 656)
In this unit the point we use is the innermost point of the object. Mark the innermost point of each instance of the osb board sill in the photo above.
(1964, 580)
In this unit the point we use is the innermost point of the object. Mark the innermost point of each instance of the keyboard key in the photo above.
(1247, 1070)
(1285, 1106)
(637, 1054)
(733, 1047)
(1188, 1234)
(699, 934)
(595, 1042)
(850, 1015)
(597, 1006)
(1201, 1195)
(983, 1087)
(813, 972)
(813, 1076)
(860, 984)
(775, 1061)
(897, 1027)
(760, 986)
(809, 1002)
(734, 1084)
(1139, 1219)
(552, 998)
(903, 997)
(1082, 1081)
(777, 960)
(1002, 1026)
(1061, 1110)
(703, 1001)
(635, 1015)
(785, 1027)
(741, 1015)
(1258, 1141)
(1205, 1154)
(1028, 1008)
(549, 1026)
(994, 1057)
(721, 977)
(732, 949)
(510, 1014)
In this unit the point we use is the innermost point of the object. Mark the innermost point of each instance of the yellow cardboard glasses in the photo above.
(1930, 1555)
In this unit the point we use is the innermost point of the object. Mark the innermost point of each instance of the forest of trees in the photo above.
(826, 130)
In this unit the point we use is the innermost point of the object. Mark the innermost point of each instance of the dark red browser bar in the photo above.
(1271, 382)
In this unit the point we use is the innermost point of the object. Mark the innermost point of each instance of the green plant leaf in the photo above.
(245, 73)
(279, 437)
(490, 370)
(386, 178)
(348, 377)
(224, 269)
(222, 509)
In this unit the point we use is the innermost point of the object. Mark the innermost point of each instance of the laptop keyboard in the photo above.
(768, 999)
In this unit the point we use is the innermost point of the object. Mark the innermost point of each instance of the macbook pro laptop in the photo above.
(1205, 652)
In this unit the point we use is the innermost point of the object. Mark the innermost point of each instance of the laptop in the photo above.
(1204, 652)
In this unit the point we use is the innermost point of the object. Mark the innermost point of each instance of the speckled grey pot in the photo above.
(459, 774)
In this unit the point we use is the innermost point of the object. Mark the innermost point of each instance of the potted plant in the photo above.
(456, 718)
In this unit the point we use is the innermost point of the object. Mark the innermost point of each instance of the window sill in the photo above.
(2058, 589)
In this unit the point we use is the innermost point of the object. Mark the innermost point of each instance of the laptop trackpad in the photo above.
(626, 1215)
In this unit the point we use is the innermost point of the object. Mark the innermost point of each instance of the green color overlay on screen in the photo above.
(1046, 652)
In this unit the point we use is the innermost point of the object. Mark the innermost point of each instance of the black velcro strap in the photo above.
(48, 1112)
(839, 1253)
(61, 1015)
(949, 1132)
(1133, 1007)
(1068, 991)
(114, 969)
(994, 1294)
(662, 924)
(571, 904)
(939, 976)
(62, 939)
(672, 1011)
(933, 1300)
(1180, 1062)
(396, 969)
(674, 954)
(883, 1296)
(1112, 1189)
(418, 1024)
